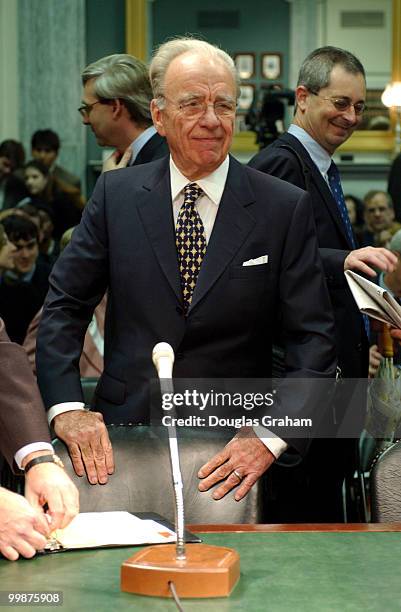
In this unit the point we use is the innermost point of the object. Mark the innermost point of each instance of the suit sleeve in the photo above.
(22, 414)
(77, 284)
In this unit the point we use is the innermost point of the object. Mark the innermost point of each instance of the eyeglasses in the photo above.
(85, 109)
(343, 104)
(194, 109)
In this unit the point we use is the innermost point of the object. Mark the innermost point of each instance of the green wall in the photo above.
(105, 34)
(263, 27)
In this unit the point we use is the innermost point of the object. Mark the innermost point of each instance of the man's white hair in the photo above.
(168, 51)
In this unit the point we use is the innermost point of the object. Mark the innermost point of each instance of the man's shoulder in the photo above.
(262, 180)
(137, 175)
(285, 146)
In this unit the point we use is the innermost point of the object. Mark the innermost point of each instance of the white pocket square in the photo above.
(257, 262)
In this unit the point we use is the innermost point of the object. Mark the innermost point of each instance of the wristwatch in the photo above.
(43, 459)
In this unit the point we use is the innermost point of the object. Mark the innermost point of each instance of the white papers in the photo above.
(93, 529)
(373, 300)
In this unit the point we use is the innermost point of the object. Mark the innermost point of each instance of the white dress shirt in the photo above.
(207, 206)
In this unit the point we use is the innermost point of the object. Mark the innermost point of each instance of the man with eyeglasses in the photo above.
(116, 105)
(330, 100)
(196, 250)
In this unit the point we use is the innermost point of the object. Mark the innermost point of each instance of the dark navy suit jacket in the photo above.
(126, 243)
(334, 245)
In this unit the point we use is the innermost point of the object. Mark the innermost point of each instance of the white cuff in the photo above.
(64, 407)
(30, 448)
(275, 444)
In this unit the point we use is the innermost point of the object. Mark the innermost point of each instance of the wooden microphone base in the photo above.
(207, 571)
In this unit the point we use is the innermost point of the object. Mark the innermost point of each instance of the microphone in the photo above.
(163, 360)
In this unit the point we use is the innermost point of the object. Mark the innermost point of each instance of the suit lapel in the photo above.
(320, 184)
(156, 214)
(231, 228)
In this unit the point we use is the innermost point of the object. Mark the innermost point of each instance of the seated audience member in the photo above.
(45, 148)
(25, 443)
(379, 219)
(63, 201)
(391, 281)
(23, 289)
(355, 212)
(42, 216)
(91, 360)
(12, 187)
(7, 251)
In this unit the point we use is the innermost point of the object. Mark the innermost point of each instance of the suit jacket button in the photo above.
(179, 310)
(359, 346)
(179, 355)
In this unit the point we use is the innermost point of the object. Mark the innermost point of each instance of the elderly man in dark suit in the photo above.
(116, 105)
(25, 443)
(215, 292)
(330, 100)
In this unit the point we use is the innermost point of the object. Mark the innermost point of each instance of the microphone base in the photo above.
(207, 571)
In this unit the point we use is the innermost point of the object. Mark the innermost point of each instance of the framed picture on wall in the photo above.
(245, 64)
(247, 93)
(271, 66)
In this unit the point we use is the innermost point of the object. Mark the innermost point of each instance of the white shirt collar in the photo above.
(213, 184)
(319, 156)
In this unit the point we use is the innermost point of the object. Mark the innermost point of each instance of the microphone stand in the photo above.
(166, 386)
(166, 570)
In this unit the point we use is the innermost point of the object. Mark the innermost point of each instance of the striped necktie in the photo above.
(190, 239)
(336, 189)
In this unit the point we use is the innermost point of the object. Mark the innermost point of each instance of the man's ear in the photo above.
(157, 117)
(117, 108)
(301, 96)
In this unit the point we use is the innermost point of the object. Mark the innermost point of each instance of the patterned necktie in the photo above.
(191, 242)
(336, 189)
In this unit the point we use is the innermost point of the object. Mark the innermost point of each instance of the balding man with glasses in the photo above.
(330, 101)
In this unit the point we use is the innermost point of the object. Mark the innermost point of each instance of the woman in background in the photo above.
(64, 201)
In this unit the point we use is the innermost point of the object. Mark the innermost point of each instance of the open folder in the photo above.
(373, 300)
(108, 529)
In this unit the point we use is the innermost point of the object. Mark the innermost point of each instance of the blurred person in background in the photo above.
(91, 360)
(63, 201)
(12, 187)
(45, 148)
(380, 225)
(23, 288)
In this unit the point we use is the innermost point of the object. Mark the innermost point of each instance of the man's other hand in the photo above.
(86, 436)
(48, 483)
(115, 162)
(374, 360)
(241, 462)
(23, 529)
(366, 259)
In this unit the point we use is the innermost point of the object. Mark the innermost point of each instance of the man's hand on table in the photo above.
(86, 436)
(241, 462)
(23, 529)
